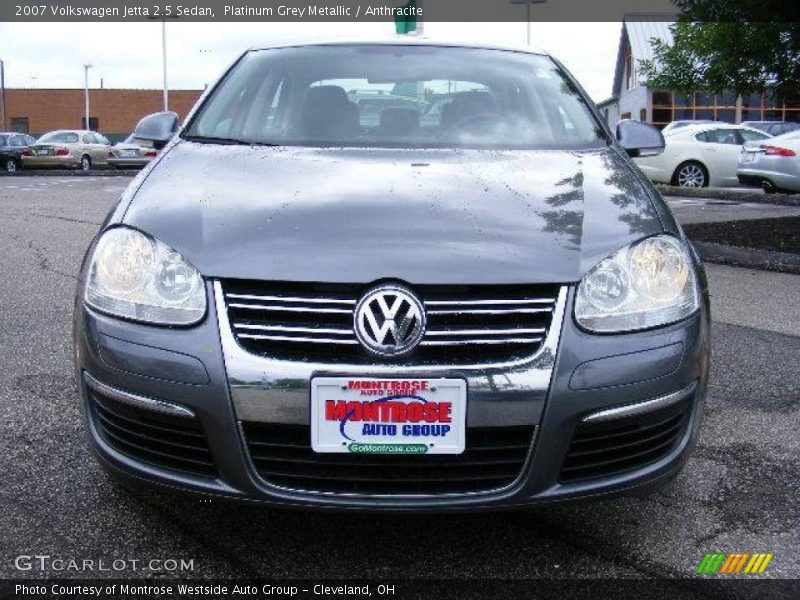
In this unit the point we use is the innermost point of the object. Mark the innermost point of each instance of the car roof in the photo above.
(690, 130)
(78, 131)
(407, 40)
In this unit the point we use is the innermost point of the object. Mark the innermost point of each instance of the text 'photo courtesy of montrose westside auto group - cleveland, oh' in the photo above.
(404, 299)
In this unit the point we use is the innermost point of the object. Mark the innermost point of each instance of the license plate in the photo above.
(42, 152)
(128, 153)
(748, 157)
(388, 416)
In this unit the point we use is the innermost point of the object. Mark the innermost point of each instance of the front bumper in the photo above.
(576, 375)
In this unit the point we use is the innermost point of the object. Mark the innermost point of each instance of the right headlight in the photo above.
(135, 276)
(649, 283)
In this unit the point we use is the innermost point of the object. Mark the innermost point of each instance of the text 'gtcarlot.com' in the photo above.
(44, 562)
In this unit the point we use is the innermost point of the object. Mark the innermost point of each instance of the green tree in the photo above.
(731, 45)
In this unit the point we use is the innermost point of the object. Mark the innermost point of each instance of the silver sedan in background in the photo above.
(773, 165)
(74, 149)
(132, 153)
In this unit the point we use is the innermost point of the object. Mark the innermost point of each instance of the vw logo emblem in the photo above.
(389, 320)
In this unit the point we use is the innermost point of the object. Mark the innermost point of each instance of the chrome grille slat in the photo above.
(289, 299)
(285, 329)
(457, 332)
(490, 311)
(304, 340)
(276, 307)
(314, 321)
(480, 341)
(484, 302)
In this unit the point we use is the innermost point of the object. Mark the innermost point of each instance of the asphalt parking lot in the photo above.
(739, 492)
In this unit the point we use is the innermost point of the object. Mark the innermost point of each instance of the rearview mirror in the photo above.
(639, 139)
(157, 128)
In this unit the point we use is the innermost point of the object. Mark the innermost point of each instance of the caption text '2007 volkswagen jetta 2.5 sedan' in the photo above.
(397, 275)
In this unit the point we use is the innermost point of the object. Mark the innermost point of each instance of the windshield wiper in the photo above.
(204, 139)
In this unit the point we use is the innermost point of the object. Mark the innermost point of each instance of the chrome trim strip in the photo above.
(290, 299)
(480, 341)
(287, 329)
(138, 401)
(310, 309)
(454, 332)
(480, 302)
(490, 311)
(286, 338)
(638, 408)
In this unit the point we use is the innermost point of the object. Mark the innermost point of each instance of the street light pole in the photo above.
(528, 4)
(86, 68)
(164, 61)
(3, 93)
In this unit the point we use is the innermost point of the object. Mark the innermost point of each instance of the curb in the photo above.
(736, 196)
(736, 256)
(71, 173)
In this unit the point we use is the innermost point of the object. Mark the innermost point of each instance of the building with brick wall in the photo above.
(112, 112)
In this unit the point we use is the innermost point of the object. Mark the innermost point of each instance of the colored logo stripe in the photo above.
(758, 563)
(732, 563)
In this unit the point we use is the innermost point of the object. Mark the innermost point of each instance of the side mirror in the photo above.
(639, 139)
(157, 128)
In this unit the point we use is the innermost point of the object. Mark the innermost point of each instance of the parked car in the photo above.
(74, 149)
(700, 155)
(773, 127)
(132, 153)
(306, 311)
(675, 125)
(772, 165)
(12, 145)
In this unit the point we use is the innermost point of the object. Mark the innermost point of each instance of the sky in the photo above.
(52, 55)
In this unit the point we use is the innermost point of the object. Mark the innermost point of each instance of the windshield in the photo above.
(397, 96)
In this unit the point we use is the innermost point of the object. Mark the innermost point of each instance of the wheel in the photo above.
(86, 163)
(11, 165)
(690, 174)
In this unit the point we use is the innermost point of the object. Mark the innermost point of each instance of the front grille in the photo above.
(166, 441)
(282, 456)
(622, 445)
(467, 324)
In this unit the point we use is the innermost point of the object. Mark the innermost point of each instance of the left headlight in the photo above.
(134, 276)
(646, 284)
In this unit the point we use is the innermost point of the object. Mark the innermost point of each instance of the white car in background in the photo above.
(700, 155)
(774, 165)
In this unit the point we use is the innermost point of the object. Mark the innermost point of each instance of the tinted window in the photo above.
(407, 96)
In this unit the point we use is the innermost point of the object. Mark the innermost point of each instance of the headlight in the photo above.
(643, 285)
(137, 277)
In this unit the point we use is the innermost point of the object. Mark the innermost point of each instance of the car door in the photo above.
(103, 146)
(721, 150)
(90, 146)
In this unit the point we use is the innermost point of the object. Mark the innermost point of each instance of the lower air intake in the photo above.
(282, 455)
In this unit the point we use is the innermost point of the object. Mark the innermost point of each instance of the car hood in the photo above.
(421, 216)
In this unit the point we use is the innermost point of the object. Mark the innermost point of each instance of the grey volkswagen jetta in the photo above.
(471, 299)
